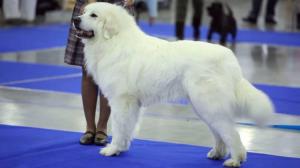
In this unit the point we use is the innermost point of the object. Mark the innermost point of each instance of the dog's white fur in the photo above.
(134, 70)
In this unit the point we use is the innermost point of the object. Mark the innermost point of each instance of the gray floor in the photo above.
(275, 65)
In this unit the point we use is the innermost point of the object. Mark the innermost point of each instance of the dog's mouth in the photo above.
(87, 34)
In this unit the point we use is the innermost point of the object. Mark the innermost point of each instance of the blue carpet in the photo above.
(16, 71)
(23, 147)
(49, 36)
(33, 38)
(286, 99)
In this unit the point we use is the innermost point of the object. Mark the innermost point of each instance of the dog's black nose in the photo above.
(77, 21)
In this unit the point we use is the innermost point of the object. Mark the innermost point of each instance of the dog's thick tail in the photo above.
(230, 13)
(254, 103)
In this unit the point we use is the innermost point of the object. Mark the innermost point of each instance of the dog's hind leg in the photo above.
(232, 140)
(225, 136)
(212, 103)
(219, 149)
(125, 114)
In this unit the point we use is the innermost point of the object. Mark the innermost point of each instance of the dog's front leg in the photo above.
(209, 35)
(223, 38)
(125, 112)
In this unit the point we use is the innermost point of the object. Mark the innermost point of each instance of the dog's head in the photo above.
(100, 20)
(215, 9)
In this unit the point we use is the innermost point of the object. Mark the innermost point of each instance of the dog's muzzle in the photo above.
(79, 32)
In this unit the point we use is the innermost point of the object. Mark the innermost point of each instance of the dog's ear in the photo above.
(110, 28)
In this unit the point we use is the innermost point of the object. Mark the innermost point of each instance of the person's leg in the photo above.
(11, 9)
(197, 18)
(298, 21)
(101, 129)
(270, 11)
(256, 6)
(254, 13)
(89, 93)
(181, 9)
(104, 114)
(28, 9)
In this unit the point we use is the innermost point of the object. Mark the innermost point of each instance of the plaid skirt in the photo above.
(74, 50)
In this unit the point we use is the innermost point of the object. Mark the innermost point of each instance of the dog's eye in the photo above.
(93, 15)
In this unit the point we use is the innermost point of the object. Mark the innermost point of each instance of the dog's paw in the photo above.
(232, 163)
(216, 155)
(109, 150)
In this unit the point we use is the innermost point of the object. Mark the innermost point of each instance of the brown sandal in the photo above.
(87, 138)
(100, 138)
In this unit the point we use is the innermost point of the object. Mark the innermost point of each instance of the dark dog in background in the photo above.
(221, 22)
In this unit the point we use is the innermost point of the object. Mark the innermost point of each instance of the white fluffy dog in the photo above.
(134, 70)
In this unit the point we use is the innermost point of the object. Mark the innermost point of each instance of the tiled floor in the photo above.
(274, 65)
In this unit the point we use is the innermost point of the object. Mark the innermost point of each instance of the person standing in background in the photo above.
(19, 11)
(255, 10)
(181, 11)
(95, 133)
(152, 10)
